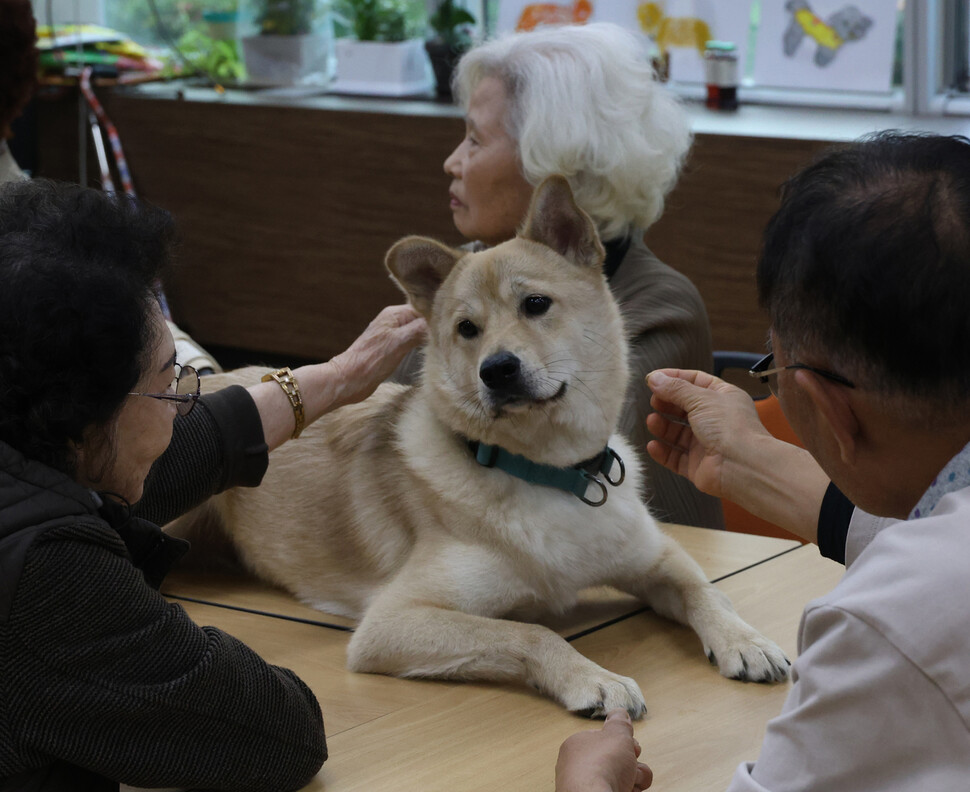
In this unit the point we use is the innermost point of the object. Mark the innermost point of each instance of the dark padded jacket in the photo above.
(104, 681)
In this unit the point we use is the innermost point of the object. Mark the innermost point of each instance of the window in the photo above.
(940, 49)
(931, 51)
(931, 59)
(768, 85)
(62, 12)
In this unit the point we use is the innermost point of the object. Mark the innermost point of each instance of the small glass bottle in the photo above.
(721, 73)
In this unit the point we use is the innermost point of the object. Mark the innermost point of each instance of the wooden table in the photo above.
(430, 735)
(719, 553)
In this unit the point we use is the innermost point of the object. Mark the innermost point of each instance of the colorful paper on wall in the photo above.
(826, 44)
(684, 26)
(525, 15)
(680, 27)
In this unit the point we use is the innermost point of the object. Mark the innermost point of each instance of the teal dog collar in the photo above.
(575, 480)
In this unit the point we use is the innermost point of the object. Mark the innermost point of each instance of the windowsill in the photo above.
(806, 123)
(313, 98)
(750, 120)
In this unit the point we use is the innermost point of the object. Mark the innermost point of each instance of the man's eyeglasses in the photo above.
(763, 371)
(184, 390)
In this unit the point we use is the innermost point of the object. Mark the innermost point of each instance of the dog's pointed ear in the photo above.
(555, 221)
(419, 266)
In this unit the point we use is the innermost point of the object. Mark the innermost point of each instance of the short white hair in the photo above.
(584, 104)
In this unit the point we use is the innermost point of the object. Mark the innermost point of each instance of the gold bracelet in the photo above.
(284, 377)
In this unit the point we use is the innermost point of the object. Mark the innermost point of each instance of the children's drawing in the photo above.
(536, 14)
(680, 28)
(847, 24)
(827, 45)
(673, 31)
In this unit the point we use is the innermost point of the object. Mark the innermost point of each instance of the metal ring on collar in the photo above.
(619, 459)
(590, 478)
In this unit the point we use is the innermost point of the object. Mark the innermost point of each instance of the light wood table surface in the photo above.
(430, 736)
(719, 553)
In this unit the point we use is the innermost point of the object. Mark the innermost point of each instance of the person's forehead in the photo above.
(488, 104)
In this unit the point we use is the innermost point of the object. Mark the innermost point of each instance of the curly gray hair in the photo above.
(584, 104)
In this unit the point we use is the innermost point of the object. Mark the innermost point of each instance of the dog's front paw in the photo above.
(749, 657)
(603, 692)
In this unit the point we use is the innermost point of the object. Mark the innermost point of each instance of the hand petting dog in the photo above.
(372, 358)
(347, 378)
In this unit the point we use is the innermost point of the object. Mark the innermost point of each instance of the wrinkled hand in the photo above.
(372, 358)
(603, 760)
(721, 424)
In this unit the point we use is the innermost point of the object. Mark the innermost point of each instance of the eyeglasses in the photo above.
(184, 390)
(763, 371)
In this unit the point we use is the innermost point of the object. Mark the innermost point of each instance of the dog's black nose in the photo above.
(501, 371)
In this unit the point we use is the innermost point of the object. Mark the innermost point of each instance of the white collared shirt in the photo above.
(880, 696)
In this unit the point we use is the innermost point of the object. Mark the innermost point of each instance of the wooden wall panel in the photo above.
(286, 213)
(711, 227)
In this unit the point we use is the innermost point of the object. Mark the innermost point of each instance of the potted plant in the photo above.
(285, 17)
(216, 58)
(291, 47)
(209, 44)
(383, 56)
(451, 25)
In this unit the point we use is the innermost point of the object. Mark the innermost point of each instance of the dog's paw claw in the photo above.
(756, 659)
(609, 693)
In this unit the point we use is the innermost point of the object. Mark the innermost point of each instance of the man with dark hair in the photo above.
(865, 275)
(866, 238)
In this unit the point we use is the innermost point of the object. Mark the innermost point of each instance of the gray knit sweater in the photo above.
(104, 681)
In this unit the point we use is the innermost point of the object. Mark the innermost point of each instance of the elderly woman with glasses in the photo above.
(103, 437)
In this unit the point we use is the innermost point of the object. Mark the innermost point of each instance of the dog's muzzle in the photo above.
(502, 374)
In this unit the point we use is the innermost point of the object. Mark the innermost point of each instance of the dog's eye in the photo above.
(536, 304)
(467, 329)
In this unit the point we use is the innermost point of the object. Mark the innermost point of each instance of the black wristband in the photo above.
(833, 523)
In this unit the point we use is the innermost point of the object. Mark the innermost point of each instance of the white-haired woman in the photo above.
(582, 101)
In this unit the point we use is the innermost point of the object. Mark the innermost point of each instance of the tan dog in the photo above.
(687, 32)
(381, 512)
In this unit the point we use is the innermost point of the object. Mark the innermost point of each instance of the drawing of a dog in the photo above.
(672, 31)
(382, 511)
(847, 24)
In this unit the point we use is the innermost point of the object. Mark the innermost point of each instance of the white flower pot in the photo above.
(288, 60)
(382, 68)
